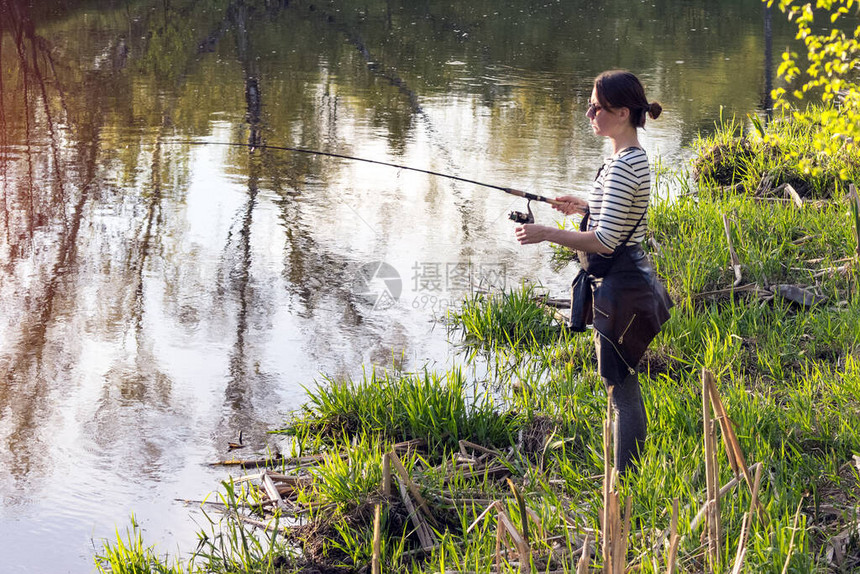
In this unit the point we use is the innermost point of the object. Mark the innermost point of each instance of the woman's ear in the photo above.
(623, 113)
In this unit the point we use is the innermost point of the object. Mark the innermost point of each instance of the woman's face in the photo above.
(607, 122)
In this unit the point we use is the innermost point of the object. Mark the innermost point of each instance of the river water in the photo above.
(161, 292)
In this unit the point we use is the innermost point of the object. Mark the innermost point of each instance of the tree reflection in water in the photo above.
(156, 298)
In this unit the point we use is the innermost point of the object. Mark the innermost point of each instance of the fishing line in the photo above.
(510, 190)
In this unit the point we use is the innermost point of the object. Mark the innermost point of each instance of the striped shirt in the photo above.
(619, 198)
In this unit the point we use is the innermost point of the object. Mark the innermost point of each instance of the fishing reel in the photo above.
(523, 218)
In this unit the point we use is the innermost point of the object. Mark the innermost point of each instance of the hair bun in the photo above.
(654, 110)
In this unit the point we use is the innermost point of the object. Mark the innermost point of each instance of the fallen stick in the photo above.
(749, 287)
(273, 460)
(267, 526)
(408, 445)
(258, 462)
(272, 491)
(474, 446)
(291, 480)
(221, 505)
(493, 471)
(792, 194)
(247, 478)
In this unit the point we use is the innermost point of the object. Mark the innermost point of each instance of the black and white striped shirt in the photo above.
(619, 198)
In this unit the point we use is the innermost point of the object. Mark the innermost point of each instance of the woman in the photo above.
(629, 304)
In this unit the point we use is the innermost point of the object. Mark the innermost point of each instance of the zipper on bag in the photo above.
(624, 332)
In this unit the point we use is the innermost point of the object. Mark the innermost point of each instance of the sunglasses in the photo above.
(594, 108)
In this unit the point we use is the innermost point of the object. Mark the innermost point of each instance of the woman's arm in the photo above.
(578, 240)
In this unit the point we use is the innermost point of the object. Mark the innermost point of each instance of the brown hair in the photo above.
(621, 89)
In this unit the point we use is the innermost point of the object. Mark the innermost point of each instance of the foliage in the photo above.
(831, 75)
(440, 408)
(759, 160)
(128, 555)
(511, 319)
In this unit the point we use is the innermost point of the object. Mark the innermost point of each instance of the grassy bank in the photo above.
(778, 324)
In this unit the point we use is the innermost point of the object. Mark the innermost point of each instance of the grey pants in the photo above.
(622, 386)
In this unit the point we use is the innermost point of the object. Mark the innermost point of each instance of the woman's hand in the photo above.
(532, 233)
(571, 205)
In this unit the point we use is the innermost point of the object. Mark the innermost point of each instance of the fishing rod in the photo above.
(517, 216)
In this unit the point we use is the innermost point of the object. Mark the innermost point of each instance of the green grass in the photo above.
(761, 158)
(512, 319)
(128, 555)
(789, 377)
(440, 408)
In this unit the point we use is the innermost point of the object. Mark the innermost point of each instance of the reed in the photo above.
(128, 555)
(440, 408)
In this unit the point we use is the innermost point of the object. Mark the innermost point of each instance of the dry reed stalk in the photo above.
(272, 491)
(291, 480)
(267, 526)
(671, 557)
(718, 520)
(494, 471)
(697, 520)
(533, 517)
(747, 524)
(749, 287)
(481, 517)
(793, 532)
(607, 478)
(377, 539)
(505, 528)
(499, 537)
(466, 444)
(248, 478)
(584, 558)
(736, 262)
(413, 488)
(852, 196)
(425, 537)
(733, 446)
(730, 440)
(276, 460)
(521, 544)
(792, 194)
(623, 535)
(612, 534)
(408, 445)
(713, 508)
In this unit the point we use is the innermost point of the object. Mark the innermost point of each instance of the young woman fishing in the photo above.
(629, 303)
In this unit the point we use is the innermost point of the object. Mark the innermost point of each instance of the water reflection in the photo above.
(158, 297)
